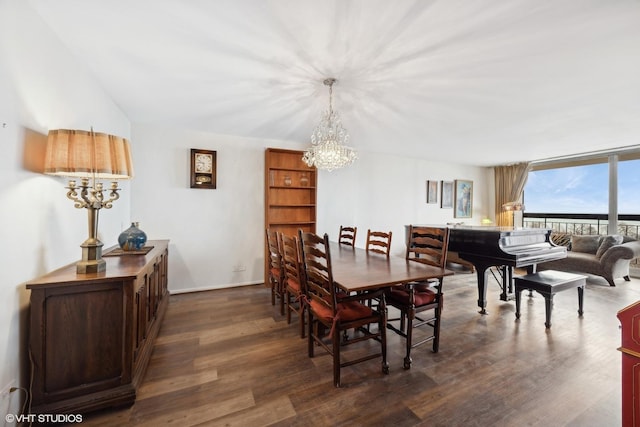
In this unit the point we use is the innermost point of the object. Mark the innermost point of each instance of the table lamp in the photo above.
(90, 157)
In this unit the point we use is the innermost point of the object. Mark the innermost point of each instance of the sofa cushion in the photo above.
(586, 244)
(578, 262)
(608, 242)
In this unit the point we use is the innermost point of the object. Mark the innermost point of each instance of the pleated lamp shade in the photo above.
(79, 153)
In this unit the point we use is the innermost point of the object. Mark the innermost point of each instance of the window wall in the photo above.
(588, 195)
(629, 187)
(577, 189)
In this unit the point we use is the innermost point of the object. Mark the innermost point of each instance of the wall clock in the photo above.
(203, 168)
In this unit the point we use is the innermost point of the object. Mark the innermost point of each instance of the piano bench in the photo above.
(548, 283)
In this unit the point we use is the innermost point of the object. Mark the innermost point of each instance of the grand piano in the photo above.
(503, 247)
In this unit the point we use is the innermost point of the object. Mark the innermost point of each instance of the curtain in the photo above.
(509, 181)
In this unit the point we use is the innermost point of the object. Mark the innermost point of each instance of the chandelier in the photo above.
(328, 149)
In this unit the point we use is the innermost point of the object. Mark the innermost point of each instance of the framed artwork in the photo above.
(203, 169)
(463, 199)
(432, 191)
(446, 194)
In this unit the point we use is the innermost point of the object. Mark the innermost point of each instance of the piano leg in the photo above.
(482, 271)
(530, 270)
(507, 283)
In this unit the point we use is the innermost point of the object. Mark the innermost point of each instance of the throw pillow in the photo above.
(560, 239)
(608, 242)
(587, 244)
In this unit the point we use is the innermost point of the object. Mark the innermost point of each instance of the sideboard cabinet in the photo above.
(91, 335)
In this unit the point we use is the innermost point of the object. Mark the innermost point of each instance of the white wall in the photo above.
(211, 231)
(41, 87)
(385, 192)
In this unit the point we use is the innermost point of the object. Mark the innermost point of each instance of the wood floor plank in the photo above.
(173, 383)
(227, 357)
(204, 414)
(268, 413)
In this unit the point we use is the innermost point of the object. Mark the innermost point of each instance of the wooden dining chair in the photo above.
(294, 283)
(276, 268)
(379, 242)
(426, 245)
(347, 236)
(327, 312)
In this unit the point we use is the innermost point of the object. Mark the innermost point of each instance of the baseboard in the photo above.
(214, 287)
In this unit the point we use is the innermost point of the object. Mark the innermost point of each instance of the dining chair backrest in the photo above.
(347, 236)
(428, 245)
(275, 253)
(379, 242)
(291, 260)
(316, 259)
(295, 288)
(275, 268)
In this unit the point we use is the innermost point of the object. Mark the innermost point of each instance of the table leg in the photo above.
(548, 306)
(580, 299)
(382, 306)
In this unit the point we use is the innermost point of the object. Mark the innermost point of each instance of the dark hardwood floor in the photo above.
(228, 358)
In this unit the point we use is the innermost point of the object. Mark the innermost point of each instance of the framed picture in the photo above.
(203, 169)
(446, 194)
(463, 199)
(432, 191)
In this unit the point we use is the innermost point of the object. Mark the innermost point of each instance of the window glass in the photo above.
(629, 187)
(577, 189)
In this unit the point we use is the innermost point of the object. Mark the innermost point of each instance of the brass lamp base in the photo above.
(92, 261)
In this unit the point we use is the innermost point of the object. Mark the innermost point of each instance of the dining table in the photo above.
(356, 270)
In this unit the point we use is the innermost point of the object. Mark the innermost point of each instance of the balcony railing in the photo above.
(628, 225)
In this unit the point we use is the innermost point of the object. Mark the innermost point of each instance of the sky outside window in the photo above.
(578, 189)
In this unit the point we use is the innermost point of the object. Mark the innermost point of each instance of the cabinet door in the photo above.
(140, 308)
(164, 271)
(78, 333)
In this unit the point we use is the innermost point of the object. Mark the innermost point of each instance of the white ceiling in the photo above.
(481, 82)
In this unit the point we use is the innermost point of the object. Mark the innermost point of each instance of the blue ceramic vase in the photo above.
(132, 239)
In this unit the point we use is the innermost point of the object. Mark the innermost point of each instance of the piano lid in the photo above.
(506, 236)
(507, 245)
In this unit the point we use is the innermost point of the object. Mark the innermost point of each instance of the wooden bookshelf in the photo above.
(290, 193)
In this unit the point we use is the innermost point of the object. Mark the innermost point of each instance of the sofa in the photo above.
(605, 256)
